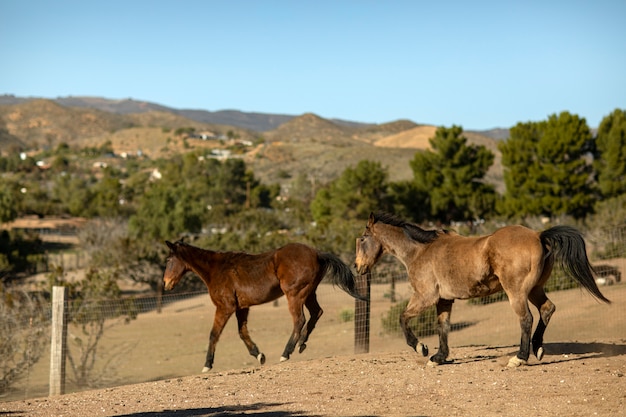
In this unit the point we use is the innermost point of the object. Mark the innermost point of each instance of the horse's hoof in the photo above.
(205, 369)
(261, 358)
(302, 347)
(422, 348)
(539, 353)
(432, 364)
(516, 362)
(283, 359)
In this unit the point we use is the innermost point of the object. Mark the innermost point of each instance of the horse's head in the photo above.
(175, 267)
(368, 248)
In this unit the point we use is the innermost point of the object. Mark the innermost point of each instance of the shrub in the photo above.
(346, 315)
(23, 334)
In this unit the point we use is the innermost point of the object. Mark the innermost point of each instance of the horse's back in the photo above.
(514, 242)
(515, 235)
(292, 257)
(295, 253)
(466, 267)
(516, 253)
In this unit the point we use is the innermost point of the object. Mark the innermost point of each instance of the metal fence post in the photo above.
(58, 342)
(362, 315)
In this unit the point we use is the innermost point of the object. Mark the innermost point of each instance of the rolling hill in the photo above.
(307, 144)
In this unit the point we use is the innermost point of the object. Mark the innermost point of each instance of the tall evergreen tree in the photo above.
(354, 195)
(9, 200)
(610, 162)
(547, 171)
(521, 169)
(452, 174)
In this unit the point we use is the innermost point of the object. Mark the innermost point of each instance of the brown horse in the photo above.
(443, 266)
(237, 280)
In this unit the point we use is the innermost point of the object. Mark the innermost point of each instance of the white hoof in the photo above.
(283, 359)
(205, 370)
(516, 362)
(261, 358)
(540, 353)
(432, 364)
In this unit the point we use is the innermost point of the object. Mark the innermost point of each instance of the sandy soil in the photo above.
(575, 379)
(582, 374)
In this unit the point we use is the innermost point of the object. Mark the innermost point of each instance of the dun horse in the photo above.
(236, 281)
(443, 266)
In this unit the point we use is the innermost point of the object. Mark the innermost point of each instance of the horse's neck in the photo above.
(396, 243)
(200, 260)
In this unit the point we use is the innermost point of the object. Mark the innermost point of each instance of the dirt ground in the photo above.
(574, 379)
(583, 372)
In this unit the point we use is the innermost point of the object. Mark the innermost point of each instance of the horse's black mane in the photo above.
(181, 244)
(413, 231)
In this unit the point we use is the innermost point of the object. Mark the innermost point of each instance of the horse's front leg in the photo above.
(413, 309)
(220, 320)
(444, 308)
(242, 324)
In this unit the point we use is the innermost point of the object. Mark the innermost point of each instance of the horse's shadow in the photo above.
(258, 409)
(554, 352)
(592, 349)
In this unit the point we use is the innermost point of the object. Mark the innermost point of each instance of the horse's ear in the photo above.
(372, 219)
(170, 244)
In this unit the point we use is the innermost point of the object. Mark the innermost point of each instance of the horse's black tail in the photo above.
(341, 273)
(568, 246)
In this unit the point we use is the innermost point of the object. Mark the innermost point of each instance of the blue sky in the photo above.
(477, 64)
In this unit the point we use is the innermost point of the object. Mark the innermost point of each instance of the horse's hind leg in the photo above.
(242, 323)
(316, 312)
(546, 308)
(520, 306)
(297, 313)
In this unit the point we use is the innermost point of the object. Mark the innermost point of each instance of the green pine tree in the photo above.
(610, 162)
(547, 169)
(452, 173)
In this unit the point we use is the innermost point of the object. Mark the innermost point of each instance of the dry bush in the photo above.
(23, 334)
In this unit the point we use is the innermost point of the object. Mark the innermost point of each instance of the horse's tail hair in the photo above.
(568, 247)
(341, 273)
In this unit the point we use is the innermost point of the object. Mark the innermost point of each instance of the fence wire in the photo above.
(147, 338)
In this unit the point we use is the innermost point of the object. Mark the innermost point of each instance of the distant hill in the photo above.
(43, 124)
(307, 144)
(416, 138)
(258, 122)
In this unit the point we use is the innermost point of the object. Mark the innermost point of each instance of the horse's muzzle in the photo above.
(361, 269)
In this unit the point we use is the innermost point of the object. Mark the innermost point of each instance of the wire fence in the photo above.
(147, 338)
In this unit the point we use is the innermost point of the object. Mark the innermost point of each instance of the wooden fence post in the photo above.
(58, 342)
(362, 315)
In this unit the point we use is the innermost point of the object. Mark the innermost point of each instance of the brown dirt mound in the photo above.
(416, 138)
